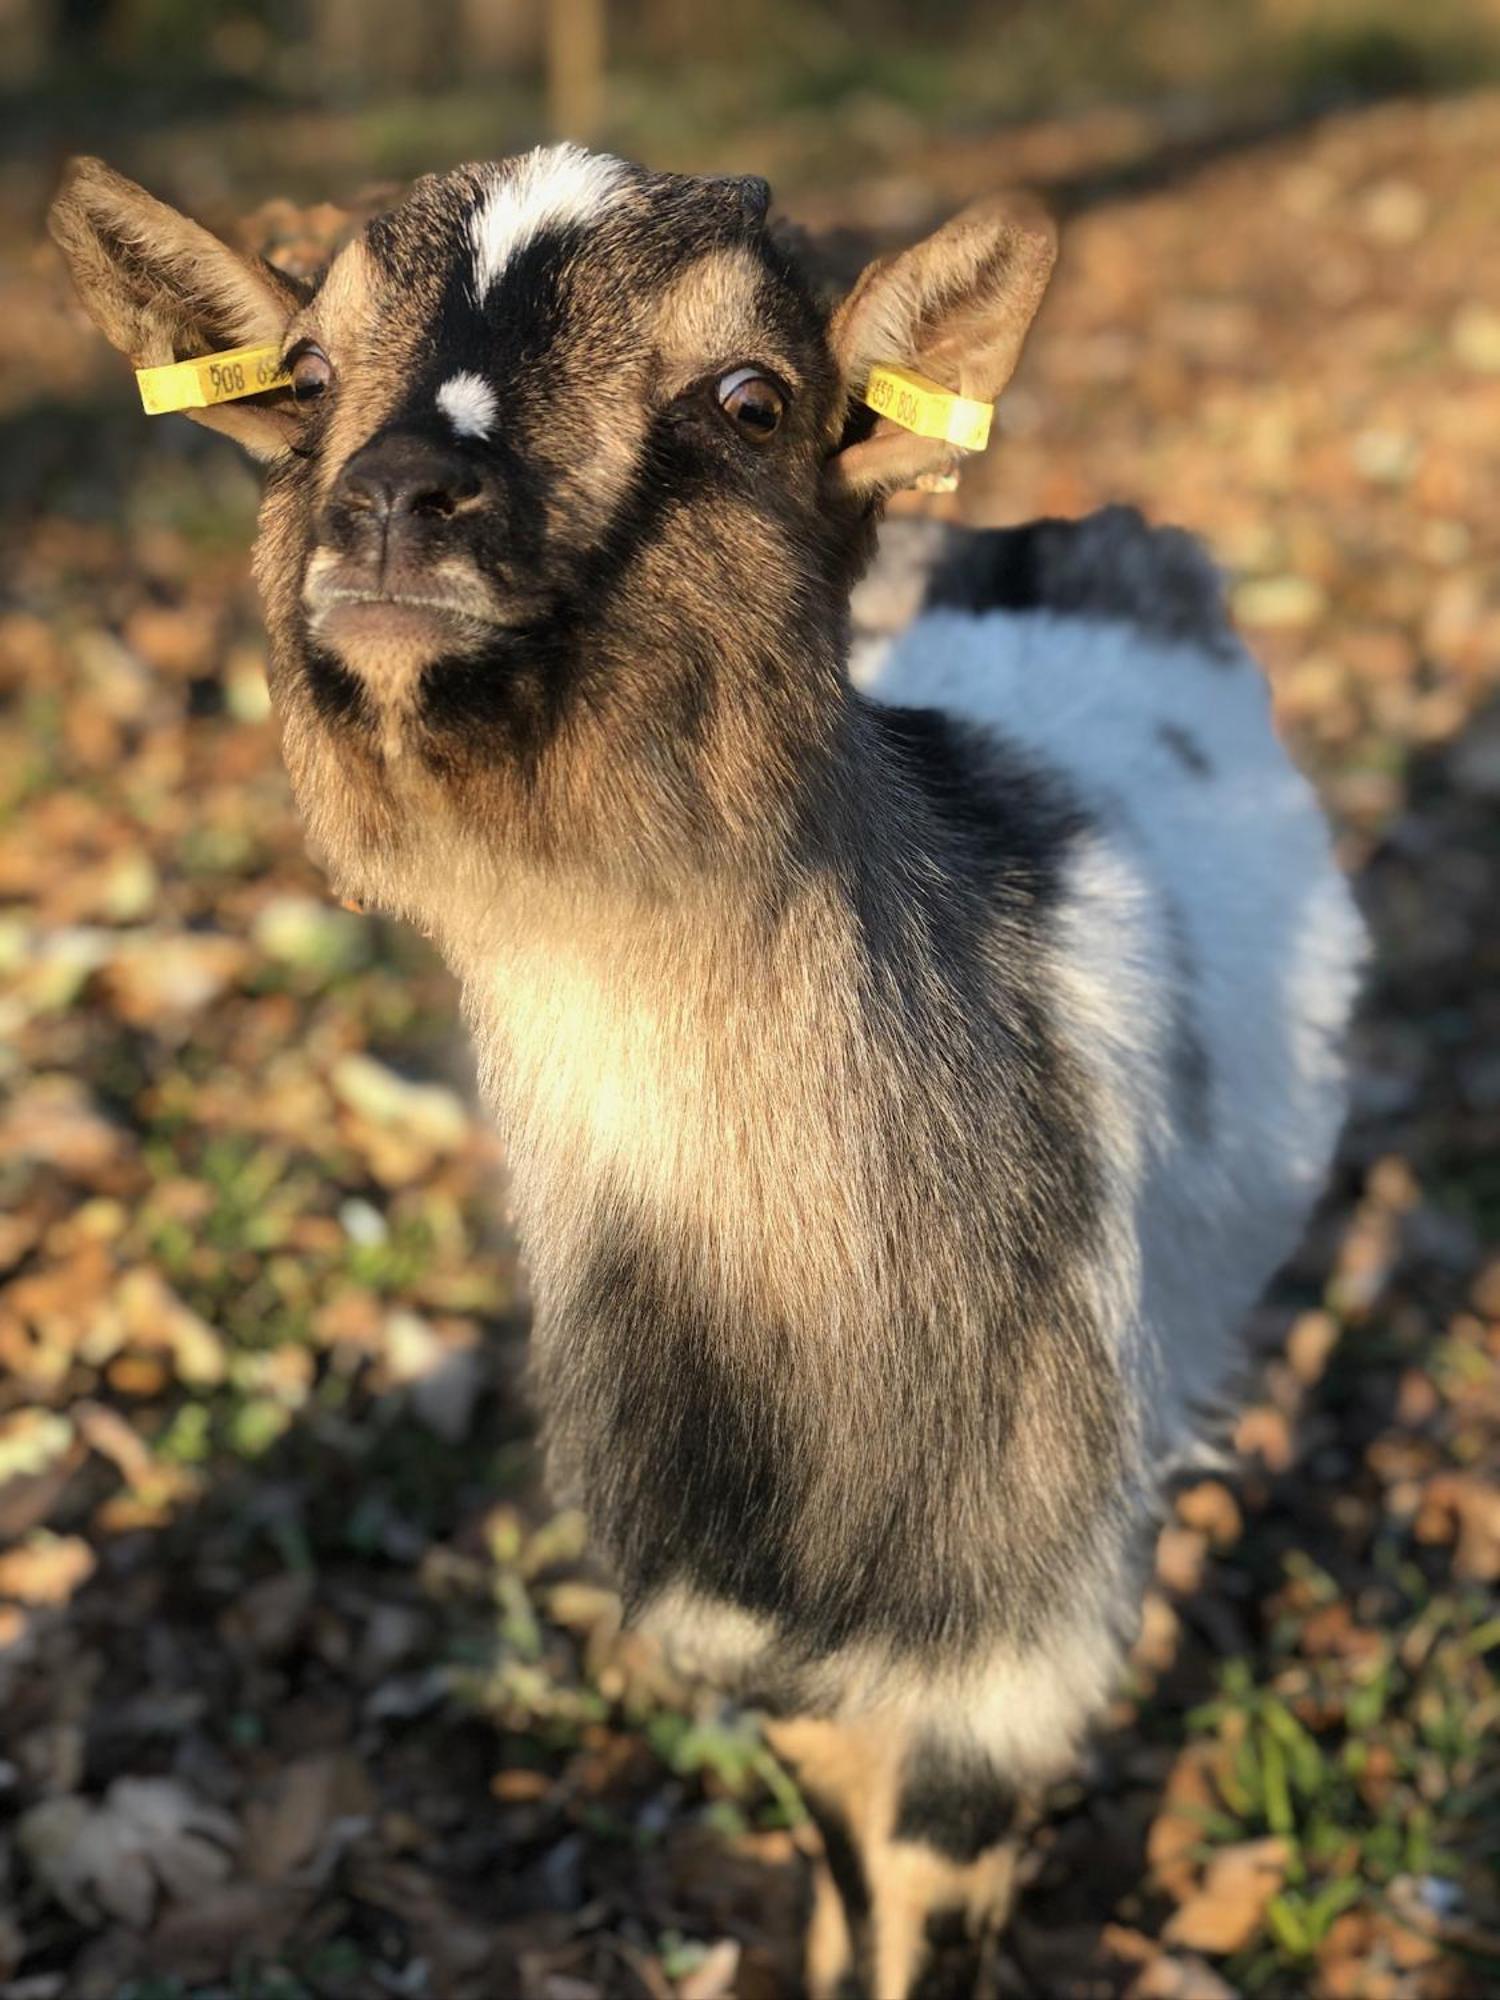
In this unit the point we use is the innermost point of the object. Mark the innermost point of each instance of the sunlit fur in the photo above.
(907, 1091)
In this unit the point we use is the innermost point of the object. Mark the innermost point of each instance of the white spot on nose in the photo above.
(554, 185)
(468, 402)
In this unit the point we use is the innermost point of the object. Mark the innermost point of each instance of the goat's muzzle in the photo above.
(393, 582)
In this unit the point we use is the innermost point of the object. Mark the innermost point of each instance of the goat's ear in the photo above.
(956, 308)
(163, 289)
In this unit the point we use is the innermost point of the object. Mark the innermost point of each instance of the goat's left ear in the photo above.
(161, 288)
(956, 308)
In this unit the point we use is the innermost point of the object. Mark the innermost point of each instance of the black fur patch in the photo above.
(958, 1805)
(996, 569)
(1111, 565)
(510, 699)
(1006, 825)
(1191, 1069)
(1189, 753)
(690, 1473)
(337, 694)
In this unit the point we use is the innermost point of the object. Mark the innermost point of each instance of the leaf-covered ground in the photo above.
(303, 1689)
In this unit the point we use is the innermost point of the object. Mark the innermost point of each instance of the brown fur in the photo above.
(644, 816)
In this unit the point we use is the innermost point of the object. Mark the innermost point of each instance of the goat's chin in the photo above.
(388, 644)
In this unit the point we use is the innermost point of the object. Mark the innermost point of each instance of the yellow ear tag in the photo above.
(919, 405)
(211, 378)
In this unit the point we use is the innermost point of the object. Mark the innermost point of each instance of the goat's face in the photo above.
(566, 493)
(566, 422)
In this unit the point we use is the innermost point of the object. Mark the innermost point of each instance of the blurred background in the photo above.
(304, 1689)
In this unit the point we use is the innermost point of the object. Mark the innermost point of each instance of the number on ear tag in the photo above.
(926, 407)
(211, 378)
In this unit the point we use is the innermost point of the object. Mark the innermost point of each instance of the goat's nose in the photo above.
(403, 474)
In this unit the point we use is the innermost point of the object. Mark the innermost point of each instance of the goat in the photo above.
(908, 1089)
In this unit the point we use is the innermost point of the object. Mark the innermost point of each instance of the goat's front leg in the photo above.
(911, 1830)
(846, 1776)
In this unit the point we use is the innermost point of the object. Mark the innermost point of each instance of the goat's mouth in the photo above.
(385, 623)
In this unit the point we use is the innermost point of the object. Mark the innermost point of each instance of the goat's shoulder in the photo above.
(1112, 566)
(1007, 816)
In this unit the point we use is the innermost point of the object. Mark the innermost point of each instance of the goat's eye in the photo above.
(311, 373)
(752, 403)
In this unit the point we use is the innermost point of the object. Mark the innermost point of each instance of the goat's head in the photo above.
(565, 496)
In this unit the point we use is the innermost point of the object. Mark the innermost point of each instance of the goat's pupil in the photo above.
(753, 403)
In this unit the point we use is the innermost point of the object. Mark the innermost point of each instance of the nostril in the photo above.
(442, 500)
(401, 474)
(365, 496)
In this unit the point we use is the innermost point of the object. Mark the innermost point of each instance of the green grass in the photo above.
(1302, 1741)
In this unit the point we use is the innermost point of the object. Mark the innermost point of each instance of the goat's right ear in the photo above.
(162, 289)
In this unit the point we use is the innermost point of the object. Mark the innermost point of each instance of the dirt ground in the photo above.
(303, 1689)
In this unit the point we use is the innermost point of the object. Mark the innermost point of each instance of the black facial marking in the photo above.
(954, 1803)
(337, 694)
(435, 212)
(510, 697)
(516, 689)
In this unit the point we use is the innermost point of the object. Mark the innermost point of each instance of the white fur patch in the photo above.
(1206, 894)
(468, 402)
(554, 184)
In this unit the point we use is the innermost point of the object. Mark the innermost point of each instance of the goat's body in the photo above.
(882, 1265)
(907, 1091)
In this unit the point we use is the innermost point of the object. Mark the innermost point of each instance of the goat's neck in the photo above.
(705, 1055)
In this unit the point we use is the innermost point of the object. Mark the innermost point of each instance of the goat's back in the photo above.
(1206, 947)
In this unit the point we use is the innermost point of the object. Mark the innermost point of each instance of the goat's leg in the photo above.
(951, 1847)
(846, 1774)
(836, 1922)
(911, 1831)
(911, 1884)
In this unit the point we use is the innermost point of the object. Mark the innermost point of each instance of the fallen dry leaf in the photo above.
(1212, 1509)
(1179, 1828)
(160, 977)
(147, 1836)
(1468, 1505)
(1181, 1557)
(153, 1317)
(56, 1121)
(45, 1569)
(1310, 1345)
(286, 1828)
(1179, 1977)
(31, 1440)
(107, 1432)
(1225, 1912)
(713, 1978)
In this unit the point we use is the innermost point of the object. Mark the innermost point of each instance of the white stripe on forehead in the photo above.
(468, 402)
(554, 184)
